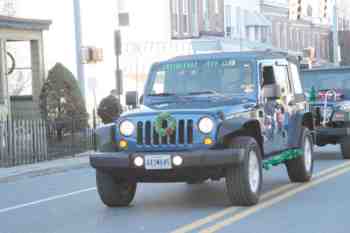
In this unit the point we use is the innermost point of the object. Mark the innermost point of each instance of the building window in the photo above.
(302, 42)
(175, 16)
(282, 37)
(277, 35)
(294, 42)
(256, 32)
(264, 32)
(206, 15)
(217, 6)
(305, 39)
(20, 80)
(194, 17)
(185, 16)
(228, 21)
(309, 11)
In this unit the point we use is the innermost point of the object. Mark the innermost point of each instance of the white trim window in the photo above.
(206, 15)
(194, 18)
(185, 17)
(228, 21)
(216, 7)
(175, 16)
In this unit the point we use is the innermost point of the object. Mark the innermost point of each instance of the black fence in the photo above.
(22, 142)
(69, 137)
(32, 141)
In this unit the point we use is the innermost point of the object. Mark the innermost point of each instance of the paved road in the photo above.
(68, 203)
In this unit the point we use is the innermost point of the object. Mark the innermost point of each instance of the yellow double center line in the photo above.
(268, 199)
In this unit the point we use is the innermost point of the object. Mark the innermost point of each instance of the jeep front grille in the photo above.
(147, 135)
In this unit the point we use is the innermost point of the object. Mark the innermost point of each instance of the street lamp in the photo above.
(78, 46)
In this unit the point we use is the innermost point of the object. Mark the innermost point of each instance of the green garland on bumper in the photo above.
(281, 158)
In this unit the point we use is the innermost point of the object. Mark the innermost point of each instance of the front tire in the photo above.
(300, 169)
(244, 181)
(113, 192)
(345, 148)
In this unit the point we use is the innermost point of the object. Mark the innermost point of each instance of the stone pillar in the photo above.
(2, 70)
(4, 97)
(38, 72)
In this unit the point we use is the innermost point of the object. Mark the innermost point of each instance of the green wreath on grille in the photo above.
(165, 116)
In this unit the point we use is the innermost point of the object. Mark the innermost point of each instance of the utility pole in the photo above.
(78, 46)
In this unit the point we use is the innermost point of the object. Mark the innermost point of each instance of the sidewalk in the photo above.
(44, 168)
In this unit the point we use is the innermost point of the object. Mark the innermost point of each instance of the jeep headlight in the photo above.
(126, 128)
(206, 125)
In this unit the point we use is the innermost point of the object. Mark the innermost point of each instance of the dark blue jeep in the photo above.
(210, 116)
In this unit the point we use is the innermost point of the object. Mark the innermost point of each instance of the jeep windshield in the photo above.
(196, 78)
(325, 81)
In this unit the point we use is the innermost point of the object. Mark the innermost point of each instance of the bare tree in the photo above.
(8, 7)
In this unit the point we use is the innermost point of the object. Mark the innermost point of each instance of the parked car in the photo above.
(209, 116)
(329, 93)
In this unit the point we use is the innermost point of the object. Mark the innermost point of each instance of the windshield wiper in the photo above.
(208, 92)
(162, 94)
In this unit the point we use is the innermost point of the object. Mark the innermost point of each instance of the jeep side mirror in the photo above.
(132, 98)
(272, 91)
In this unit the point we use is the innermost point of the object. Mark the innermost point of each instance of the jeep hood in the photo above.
(227, 107)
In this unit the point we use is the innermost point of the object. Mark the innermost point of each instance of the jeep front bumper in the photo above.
(196, 164)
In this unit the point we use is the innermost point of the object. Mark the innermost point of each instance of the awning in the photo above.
(256, 19)
(24, 24)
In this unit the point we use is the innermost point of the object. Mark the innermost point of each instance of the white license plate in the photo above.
(158, 162)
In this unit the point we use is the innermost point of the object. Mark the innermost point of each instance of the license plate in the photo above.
(158, 162)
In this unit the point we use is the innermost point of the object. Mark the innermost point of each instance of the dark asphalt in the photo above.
(167, 207)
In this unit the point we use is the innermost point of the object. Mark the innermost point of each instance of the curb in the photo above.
(39, 169)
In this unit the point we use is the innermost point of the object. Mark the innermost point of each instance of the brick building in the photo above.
(295, 32)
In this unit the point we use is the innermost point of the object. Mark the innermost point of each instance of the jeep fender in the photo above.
(240, 126)
(105, 138)
(295, 127)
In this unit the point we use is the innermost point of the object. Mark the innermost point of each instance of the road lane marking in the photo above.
(196, 224)
(46, 200)
(230, 210)
(263, 205)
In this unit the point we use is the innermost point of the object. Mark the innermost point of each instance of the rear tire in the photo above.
(244, 181)
(113, 192)
(300, 169)
(345, 148)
